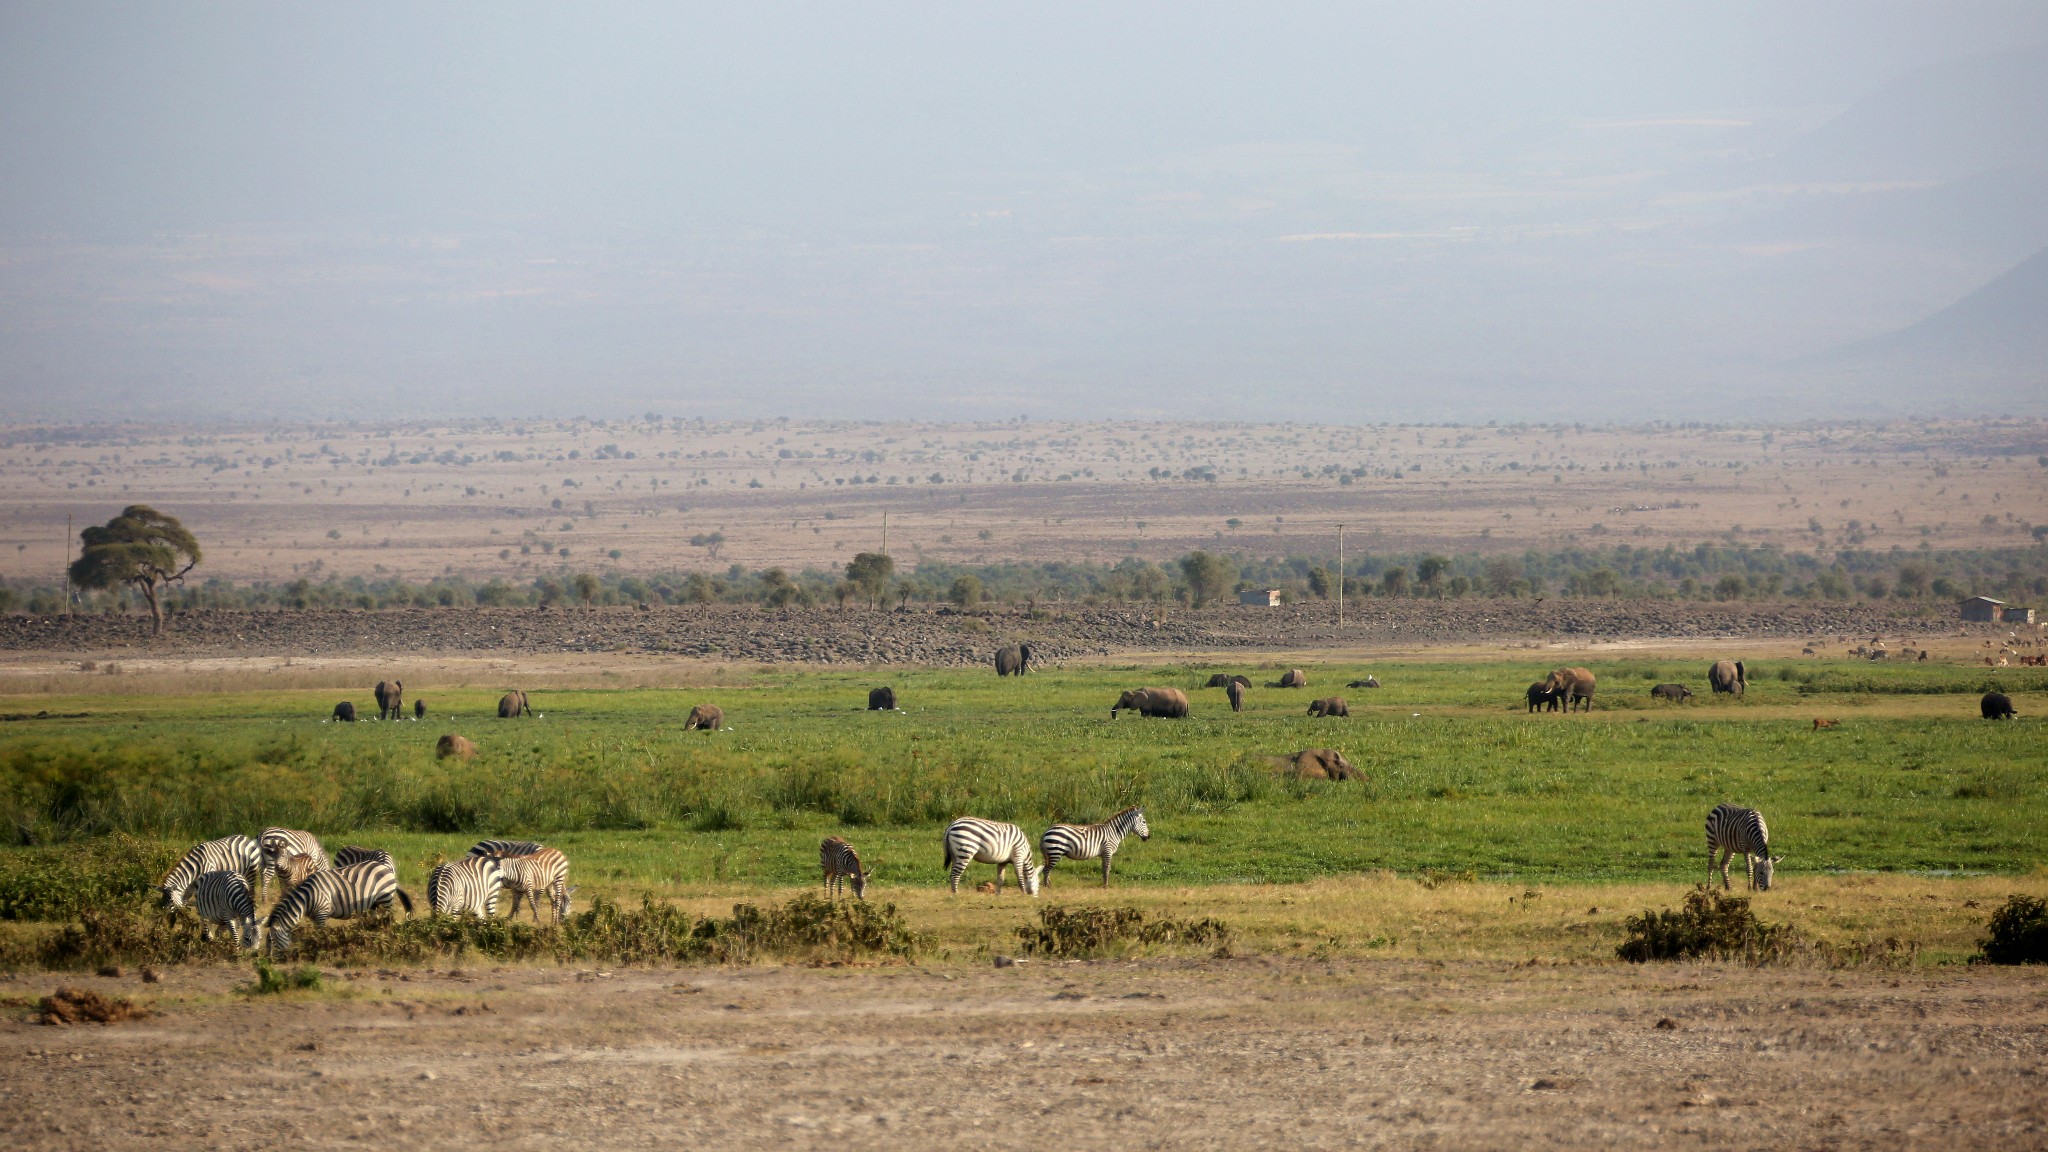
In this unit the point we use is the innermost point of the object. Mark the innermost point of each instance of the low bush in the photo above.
(1075, 933)
(270, 981)
(1712, 924)
(124, 935)
(58, 883)
(2017, 934)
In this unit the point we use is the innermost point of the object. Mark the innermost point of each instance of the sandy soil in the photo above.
(1162, 1053)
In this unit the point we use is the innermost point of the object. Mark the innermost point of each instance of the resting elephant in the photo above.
(390, 696)
(1014, 660)
(1728, 676)
(1330, 706)
(708, 717)
(1676, 693)
(1293, 678)
(345, 712)
(1572, 685)
(1541, 697)
(1166, 702)
(512, 704)
(1236, 693)
(882, 700)
(1368, 682)
(1317, 764)
(1996, 706)
(453, 745)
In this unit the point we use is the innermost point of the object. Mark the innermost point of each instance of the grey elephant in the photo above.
(1166, 702)
(513, 703)
(345, 712)
(1728, 676)
(390, 696)
(1236, 693)
(706, 717)
(1329, 706)
(1317, 764)
(882, 700)
(1014, 660)
(1541, 697)
(1676, 693)
(1292, 678)
(1572, 686)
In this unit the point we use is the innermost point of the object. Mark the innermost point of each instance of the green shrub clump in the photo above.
(1072, 933)
(58, 883)
(2018, 933)
(270, 981)
(1712, 924)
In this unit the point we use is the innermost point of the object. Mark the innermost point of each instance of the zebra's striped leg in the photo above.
(1105, 868)
(959, 870)
(999, 877)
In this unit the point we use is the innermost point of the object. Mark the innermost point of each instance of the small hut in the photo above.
(1982, 609)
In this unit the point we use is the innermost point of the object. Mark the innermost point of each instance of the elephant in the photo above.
(390, 697)
(1728, 676)
(1224, 681)
(1166, 702)
(1330, 706)
(1572, 685)
(1236, 693)
(708, 717)
(1317, 764)
(1676, 693)
(1996, 706)
(1541, 697)
(1368, 682)
(513, 703)
(453, 745)
(882, 700)
(419, 709)
(345, 712)
(1293, 678)
(1014, 660)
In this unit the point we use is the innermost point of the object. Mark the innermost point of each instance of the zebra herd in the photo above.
(223, 879)
(973, 840)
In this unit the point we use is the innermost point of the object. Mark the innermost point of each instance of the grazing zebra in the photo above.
(1732, 829)
(466, 886)
(505, 847)
(278, 843)
(294, 869)
(223, 898)
(1090, 841)
(334, 894)
(841, 863)
(970, 839)
(530, 875)
(355, 854)
(236, 853)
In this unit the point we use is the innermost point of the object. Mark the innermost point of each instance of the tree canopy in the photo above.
(869, 573)
(1208, 576)
(142, 548)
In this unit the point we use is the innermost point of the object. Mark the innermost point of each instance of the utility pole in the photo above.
(885, 533)
(1340, 577)
(67, 563)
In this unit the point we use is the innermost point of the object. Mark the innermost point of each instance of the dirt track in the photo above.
(939, 637)
(1223, 1054)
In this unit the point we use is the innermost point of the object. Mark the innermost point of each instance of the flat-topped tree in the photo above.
(141, 547)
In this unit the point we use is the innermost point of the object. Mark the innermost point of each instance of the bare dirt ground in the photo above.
(1256, 1052)
(507, 499)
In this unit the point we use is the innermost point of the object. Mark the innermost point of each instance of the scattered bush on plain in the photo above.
(2017, 934)
(1712, 924)
(1073, 933)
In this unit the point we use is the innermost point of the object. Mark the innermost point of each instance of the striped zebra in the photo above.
(841, 864)
(278, 843)
(334, 894)
(1090, 841)
(294, 870)
(223, 898)
(971, 839)
(535, 873)
(354, 854)
(505, 847)
(237, 854)
(1732, 829)
(465, 887)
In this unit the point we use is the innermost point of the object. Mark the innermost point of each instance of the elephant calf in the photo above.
(1676, 693)
(1996, 706)
(345, 712)
(882, 700)
(513, 704)
(1368, 682)
(453, 745)
(1329, 706)
(1542, 697)
(1317, 764)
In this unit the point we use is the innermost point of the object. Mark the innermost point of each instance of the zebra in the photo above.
(505, 847)
(466, 886)
(278, 843)
(1090, 841)
(223, 898)
(294, 870)
(970, 839)
(534, 873)
(237, 854)
(355, 854)
(840, 864)
(334, 894)
(1732, 829)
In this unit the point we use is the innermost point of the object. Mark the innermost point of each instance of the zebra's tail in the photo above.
(404, 900)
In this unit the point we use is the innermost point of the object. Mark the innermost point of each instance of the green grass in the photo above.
(1461, 780)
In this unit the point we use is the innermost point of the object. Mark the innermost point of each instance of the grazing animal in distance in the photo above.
(707, 717)
(1090, 841)
(1819, 724)
(223, 898)
(1318, 764)
(513, 703)
(504, 848)
(1292, 678)
(1996, 706)
(1171, 703)
(236, 853)
(452, 745)
(1368, 682)
(1329, 706)
(841, 864)
(1236, 694)
(1541, 696)
(1572, 685)
(881, 700)
(1733, 829)
(345, 712)
(278, 843)
(1728, 676)
(533, 874)
(466, 887)
(390, 696)
(335, 894)
(1676, 693)
(971, 839)
(419, 709)
(355, 854)
(1014, 660)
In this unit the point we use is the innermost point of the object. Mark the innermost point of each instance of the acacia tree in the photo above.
(142, 548)
(869, 573)
(1208, 576)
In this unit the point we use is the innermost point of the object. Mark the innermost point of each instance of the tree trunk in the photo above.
(156, 612)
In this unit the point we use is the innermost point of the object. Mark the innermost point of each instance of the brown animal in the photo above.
(1317, 764)
(1572, 685)
(1236, 693)
(453, 745)
(1329, 706)
(390, 696)
(1819, 724)
(882, 700)
(513, 704)
(986, 887)
(1293, 678)
(708, 717)
(1171, 703)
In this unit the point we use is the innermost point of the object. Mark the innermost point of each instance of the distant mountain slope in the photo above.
(2005, 320)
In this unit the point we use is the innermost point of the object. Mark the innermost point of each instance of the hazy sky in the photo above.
(1355, 212)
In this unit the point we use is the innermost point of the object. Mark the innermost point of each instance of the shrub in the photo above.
(270, 981)
(1069, 933)
(125, 935)
(59, 883)
(1711, 924)
(2017, 934)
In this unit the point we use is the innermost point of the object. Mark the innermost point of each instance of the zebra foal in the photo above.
(1090, 841)
(279, 843)
(841, 864)
(1733, 829)
(534, 873)
(224, 898)
(237, 854)
(334, 894)
(468, 886)
(970, 839)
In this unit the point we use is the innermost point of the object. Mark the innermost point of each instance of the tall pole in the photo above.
(885, 533)
(1340, 577)
(67, 563)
